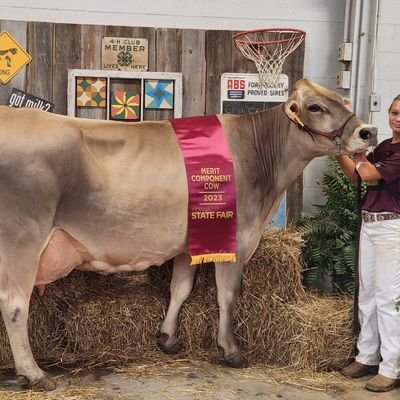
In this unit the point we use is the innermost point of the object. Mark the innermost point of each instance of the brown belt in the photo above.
(374, 217)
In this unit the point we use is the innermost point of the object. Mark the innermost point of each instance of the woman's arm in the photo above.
(360, 164)
(348, 166)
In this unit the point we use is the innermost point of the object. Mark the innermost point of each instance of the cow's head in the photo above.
(325, 115)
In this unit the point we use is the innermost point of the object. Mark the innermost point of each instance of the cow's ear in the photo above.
(292, 109)
(347, 103)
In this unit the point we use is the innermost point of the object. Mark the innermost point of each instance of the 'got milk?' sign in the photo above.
(19, 98)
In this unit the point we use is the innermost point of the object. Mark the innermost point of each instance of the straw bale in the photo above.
(115, 328)
(275, 268)
(316, 332)
(87, 318)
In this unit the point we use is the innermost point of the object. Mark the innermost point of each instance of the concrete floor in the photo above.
(186, 380)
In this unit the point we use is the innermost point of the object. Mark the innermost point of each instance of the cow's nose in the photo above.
(365, 134)
(369, 133)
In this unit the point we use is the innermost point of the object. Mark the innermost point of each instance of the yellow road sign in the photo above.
(12, 57)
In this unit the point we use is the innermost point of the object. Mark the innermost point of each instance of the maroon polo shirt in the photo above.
(379, 199)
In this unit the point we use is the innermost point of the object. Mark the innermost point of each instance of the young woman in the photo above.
(379, 260)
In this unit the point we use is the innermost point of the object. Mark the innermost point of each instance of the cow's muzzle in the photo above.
(368, 133)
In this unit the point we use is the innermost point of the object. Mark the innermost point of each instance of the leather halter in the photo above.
(333, 135)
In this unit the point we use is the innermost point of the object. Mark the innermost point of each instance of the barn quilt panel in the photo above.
(125, 105)
(91, 92)
(159, 94)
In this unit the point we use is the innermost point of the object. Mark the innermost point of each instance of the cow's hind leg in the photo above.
(17, 278)
(228, 278)
(181, 287)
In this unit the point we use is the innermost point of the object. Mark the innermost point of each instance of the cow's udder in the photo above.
(61, 255)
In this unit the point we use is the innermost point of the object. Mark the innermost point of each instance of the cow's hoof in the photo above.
(235, 361)
(23, 381)
(162, 344)
(45, 384)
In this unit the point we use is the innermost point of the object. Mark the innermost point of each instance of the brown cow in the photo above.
(111, 196)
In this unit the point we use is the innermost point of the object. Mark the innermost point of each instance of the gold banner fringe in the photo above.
(216, 257)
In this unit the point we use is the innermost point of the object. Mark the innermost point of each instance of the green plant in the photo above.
(397, 304)
(330, 234)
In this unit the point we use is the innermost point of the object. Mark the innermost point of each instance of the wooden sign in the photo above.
(12, 57)
(125, 54)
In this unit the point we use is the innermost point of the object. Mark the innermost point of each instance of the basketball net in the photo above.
(268, 49)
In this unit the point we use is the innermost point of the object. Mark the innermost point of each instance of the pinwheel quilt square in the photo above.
(91, 92)
(159, 94)
(125, 105)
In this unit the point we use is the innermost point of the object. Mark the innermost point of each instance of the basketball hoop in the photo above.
(268, 48)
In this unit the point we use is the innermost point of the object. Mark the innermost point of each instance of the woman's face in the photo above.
(394, 117)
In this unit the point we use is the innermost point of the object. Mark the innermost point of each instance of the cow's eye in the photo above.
(315, 108)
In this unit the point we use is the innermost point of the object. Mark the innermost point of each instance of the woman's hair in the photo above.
(397, 98)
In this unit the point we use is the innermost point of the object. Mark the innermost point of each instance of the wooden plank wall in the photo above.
(18, 30)
(202, 56)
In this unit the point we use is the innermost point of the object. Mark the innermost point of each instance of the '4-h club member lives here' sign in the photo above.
(124, 54)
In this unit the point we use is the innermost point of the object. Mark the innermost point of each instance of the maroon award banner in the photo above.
(211, 186)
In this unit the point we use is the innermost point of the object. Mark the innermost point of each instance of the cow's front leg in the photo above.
(228, 278)
(16, 285)
(181, 287)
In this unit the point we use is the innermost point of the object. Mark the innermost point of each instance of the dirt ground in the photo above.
(188, 380)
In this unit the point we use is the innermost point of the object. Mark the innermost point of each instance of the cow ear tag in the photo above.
(296, 119)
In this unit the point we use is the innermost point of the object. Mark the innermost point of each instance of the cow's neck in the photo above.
(279, 158)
